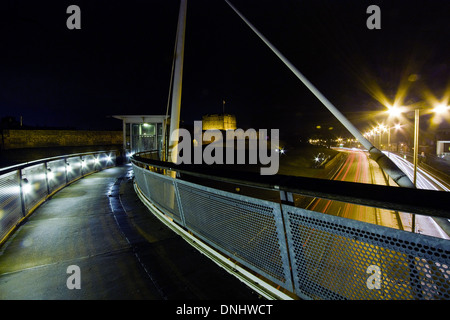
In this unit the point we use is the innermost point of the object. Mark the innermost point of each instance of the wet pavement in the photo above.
(98, 225)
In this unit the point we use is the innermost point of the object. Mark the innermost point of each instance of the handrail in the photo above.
(294, 250)
(425, 202)
(39, 161)
(25, 186)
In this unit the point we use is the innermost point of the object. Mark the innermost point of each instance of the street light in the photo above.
(383, 129)
(396, 127)
(439, 109)
(394, 111)
(379, 130)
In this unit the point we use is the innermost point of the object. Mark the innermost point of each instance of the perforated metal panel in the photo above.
(10, 203)
(37, 179)
(247, 229)
(314, 255)
(160, 190)
(338, 258)
(139, 177)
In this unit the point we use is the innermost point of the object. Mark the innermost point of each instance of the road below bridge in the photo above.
(357, 166)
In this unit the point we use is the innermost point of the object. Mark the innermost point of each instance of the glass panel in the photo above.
(148, 129)
(135, 138)
(127, 136)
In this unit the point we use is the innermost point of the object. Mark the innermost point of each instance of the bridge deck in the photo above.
(123, 251)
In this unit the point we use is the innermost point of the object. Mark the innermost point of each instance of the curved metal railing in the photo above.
(298, 252)
(25, 186)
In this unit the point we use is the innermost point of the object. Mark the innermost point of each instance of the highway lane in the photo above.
(358, 167)
(349, 258)
(323, 251)
(424, 180)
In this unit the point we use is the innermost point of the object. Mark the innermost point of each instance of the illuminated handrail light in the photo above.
(50, 174)
(26, 186)
(69, 168)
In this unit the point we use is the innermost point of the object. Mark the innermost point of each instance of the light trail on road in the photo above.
(426, 225)
(424, 179)
(358, 168)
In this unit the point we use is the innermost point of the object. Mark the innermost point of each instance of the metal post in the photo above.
(124, 135)
(22, 194)
(379, 140)
(66, 171)
(416, 154)
(389, 139)
(131, 138)
(82, 164)
(177, 85)
(46, 168)
(416, 143)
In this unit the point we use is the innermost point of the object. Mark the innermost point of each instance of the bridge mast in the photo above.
(177, 84)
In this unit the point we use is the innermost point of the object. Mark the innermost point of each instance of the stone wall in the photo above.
(219, 122)
(14, 139)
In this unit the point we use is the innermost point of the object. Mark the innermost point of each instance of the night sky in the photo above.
(120, 60)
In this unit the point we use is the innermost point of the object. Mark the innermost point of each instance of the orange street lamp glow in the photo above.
(394, 111)
(440, 108)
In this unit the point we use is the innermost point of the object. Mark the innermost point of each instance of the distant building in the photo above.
(219, 122)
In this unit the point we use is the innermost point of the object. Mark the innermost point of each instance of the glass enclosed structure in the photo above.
(142, 132)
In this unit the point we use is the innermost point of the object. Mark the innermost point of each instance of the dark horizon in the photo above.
(120, 61)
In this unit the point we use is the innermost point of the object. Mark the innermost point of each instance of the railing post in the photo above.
(82, 165)
(46, 169)
(66, 171)
(178, 199)
(22, 195)
(286, 198)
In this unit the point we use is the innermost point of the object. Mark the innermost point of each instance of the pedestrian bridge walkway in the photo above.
(98, 224)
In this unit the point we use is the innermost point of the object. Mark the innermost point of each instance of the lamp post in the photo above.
(397, 126)
(416, 155)
(438, 109)
(416, 143)
(389, 139)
